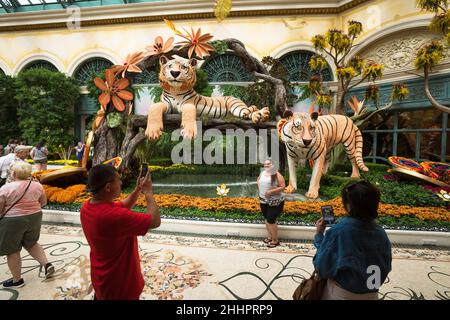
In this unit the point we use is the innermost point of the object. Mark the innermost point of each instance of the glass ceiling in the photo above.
(13, 6)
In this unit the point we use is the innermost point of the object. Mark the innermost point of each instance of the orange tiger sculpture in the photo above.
(312, 137)
(177, 78)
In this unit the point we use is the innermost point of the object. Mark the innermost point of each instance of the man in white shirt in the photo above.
(6, 162)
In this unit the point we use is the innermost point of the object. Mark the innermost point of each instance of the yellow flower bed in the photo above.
(57, 162)
(170, 168)
(291, 207)
(60, 195)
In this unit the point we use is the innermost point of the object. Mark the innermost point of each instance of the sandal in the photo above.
(273, 244)
(267, 240)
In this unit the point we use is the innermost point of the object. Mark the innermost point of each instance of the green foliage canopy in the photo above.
(46, 101)
(9, 126)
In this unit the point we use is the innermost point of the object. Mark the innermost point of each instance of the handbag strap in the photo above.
(17, 201)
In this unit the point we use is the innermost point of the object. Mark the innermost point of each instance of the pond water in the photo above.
(205, 185)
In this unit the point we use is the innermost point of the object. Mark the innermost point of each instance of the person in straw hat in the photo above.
(20, 154)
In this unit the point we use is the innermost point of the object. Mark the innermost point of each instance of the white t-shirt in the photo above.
(265, 184)
(5, 164)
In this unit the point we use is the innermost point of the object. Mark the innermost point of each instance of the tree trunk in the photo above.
(258, 70)
(340, 99)
(137, 124)
(430, 97)
(105, 144)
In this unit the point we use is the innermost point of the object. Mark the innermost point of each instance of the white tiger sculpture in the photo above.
(177, 78)
(312, 137)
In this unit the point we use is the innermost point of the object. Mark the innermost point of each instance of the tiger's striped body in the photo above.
(313, 138)
(217, 107)
(177, 79)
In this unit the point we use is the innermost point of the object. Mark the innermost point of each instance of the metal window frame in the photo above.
(444, 130)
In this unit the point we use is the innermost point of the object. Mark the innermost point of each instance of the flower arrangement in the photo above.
(324, 100)
(444, 195)
(60, 195)
(346, 73)
(373, 71)
(355, 28)
(222, 190)
(399, 91)
(430, 55)
(373, 93)
(317, 63)
(251, 205)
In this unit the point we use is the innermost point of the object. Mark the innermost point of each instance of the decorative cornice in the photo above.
(24, 21)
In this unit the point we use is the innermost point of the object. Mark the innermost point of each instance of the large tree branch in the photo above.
(257, 68)
(357, 83)
(430, 97)
(173, 121)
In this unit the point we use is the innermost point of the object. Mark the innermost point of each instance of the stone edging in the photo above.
(414, 238)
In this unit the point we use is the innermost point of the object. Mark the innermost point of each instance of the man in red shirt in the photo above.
(111, 229)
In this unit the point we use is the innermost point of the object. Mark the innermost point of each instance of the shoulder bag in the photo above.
(310, 289)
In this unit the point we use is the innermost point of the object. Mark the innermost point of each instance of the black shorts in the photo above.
(271, 213)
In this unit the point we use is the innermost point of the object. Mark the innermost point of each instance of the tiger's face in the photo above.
(177, 75)
(304, 129)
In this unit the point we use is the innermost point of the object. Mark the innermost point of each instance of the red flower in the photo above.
(113, 90)
(130, 63)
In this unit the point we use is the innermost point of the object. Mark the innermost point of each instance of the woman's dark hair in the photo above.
(40, 144)
(99, 176)
(361, 199)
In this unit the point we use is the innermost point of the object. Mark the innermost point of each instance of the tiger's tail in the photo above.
(358, 150)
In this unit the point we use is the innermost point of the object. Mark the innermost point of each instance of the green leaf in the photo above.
(114, 119)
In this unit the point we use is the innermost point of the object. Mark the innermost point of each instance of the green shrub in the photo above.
(9, 126)
(406, 193)
(46, 107)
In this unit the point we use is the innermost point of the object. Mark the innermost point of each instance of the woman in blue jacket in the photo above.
(355, 254)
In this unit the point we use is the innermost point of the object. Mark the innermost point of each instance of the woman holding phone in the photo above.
(355, 254)
(270, 184)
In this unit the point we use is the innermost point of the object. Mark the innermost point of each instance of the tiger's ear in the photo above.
(193, 62)
(315, 116)
(163, 60)
(287, 114)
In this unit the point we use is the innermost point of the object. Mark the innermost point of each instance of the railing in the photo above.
(395, 132)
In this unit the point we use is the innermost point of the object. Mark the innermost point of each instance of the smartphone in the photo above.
(144, 170)
(328, 214)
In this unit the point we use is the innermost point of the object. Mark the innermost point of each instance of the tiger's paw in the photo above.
(260, 115)
(312, 194)
(153, 131)
(289, 189)
(189, 131)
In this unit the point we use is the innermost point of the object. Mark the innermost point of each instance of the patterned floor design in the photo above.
(190, 267)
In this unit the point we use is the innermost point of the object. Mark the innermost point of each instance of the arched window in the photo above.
(226, 68)
(87, 69)
(39, 64)
(297, 65)
(144, 77)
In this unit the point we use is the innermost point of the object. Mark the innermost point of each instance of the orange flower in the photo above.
(197, 42)
(130, 63)
(159, 47)
(251, 205)
(356, 105)
(113, 89)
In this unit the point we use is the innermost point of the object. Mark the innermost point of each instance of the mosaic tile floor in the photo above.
(194, 267)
